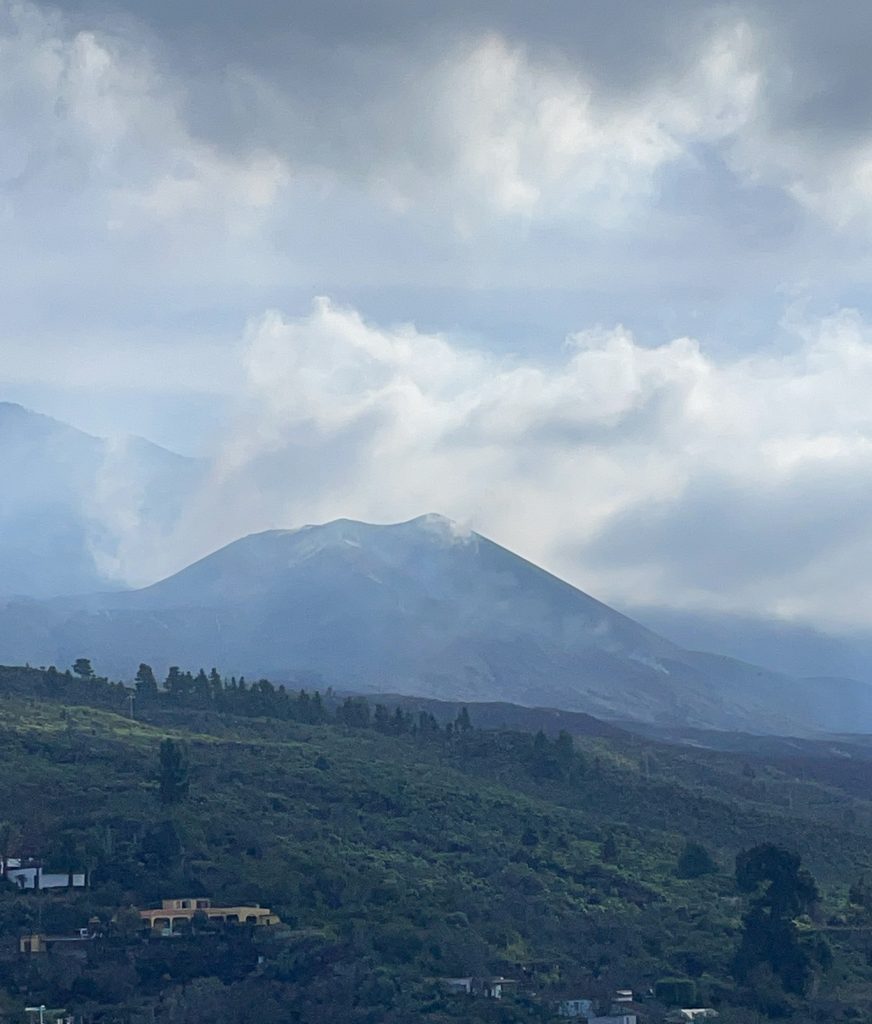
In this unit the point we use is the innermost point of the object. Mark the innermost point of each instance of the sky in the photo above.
(589, 277)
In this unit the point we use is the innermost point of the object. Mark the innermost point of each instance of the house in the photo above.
(458, 986)
(30, 874)
(40, 942)
(46, 1015)
(575, 1008)
(614, 1018)
(489, 988)
(624, 1005)
(699, 1013)
(493, 987)
(181, 912)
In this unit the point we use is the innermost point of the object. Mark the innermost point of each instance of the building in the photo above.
(30, 874)
(490, 988)
(614, 1018)
(179, 913)
(575, 1008)
(698, 1013)
(458, 986)
(40, 942)
(623, 1005)
(493, 987)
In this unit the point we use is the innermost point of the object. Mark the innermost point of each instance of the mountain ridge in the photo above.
(423, 608)
(81, 504)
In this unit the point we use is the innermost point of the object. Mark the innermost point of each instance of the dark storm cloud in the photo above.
(321, 54)
(329, 60)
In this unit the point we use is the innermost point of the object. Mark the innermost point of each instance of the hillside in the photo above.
(420, 608)
(76, 501)
(395, 855)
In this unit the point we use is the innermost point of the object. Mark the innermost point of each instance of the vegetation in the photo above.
(398, 850)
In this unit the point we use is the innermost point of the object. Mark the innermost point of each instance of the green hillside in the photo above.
(398, 852)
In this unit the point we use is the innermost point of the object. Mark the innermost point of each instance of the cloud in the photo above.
(477, 111)
(645, 475)
(166, 169)
(91, 111)
(485, 128)
(165, 172)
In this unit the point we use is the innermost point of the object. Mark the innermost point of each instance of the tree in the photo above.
(161, 846)
(860, 894)
(354, 712)
(175, 683)
(82, 668)
(609, 850)
(69, 855)
(782, 890)
(201, 687)
(146, 684)
(694, 861)
(173, 772)
(676, 991)
(564, 752)
(381, 719)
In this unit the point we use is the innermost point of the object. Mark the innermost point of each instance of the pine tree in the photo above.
(146, 684)
(782, 890)
(462, 723)
(82, 668)
(381, 719)
(174, 782)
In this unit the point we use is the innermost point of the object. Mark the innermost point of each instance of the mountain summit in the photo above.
(424, 608)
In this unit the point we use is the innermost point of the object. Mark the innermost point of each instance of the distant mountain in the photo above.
(513, 717)
(420, 608)
(789, 647)
(70, 502)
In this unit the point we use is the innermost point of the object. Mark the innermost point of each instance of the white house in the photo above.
(33, 876)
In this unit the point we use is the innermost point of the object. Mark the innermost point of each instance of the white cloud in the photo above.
(520, 137)
(88, 119)
(573, 464)
(486, 163)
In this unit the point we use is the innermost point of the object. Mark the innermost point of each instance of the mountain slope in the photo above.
(783, 646)
(73, 502)
(419, 608)
(395, 857)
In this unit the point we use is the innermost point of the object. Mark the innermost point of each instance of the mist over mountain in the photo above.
(75, 506)
(791, 647)
(419, 608)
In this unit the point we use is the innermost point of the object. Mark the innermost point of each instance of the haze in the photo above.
(593, 286)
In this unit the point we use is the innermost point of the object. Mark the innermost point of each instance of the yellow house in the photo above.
(181, 912)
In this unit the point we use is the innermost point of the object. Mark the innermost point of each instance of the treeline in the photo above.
(263, 699)
(545, 759)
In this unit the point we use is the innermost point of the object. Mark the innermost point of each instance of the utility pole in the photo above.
(37, 1009)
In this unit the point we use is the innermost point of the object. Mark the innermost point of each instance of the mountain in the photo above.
(72, 502)
(425, 609)
(783, 646)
